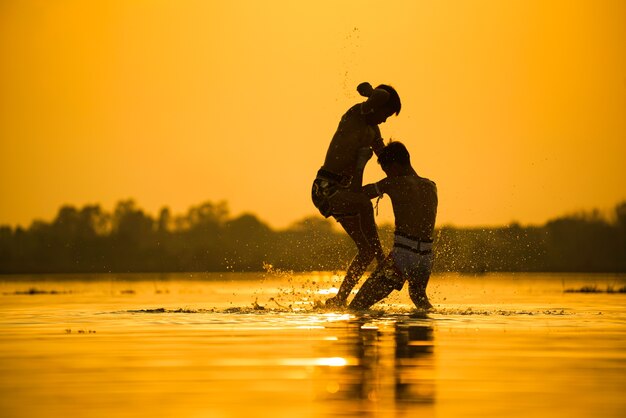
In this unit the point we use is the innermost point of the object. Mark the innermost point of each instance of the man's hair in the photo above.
(394, 99)
(394, 152)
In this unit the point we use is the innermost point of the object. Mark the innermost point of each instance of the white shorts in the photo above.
(410, 259)
(408, 265)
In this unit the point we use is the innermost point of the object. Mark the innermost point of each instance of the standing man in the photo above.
(414, 201)
(337, 189)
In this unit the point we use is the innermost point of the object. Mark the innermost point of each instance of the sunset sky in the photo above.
(516, 109)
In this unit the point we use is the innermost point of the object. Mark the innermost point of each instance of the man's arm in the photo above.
(373, 190)
(363, 155)
(379, 143)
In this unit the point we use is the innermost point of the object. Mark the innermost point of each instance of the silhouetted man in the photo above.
(337, 187)
(414, 200)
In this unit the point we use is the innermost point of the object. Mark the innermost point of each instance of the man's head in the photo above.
(384, 101)
(393, 104)
(394, 157)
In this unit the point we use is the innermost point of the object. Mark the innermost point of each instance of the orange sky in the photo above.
(517, 109)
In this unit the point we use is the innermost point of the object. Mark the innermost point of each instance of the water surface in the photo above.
(254, 344)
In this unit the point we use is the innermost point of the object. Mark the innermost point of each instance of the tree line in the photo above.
(208, 238)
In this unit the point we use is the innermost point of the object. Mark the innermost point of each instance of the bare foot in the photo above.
(335, 302)
(422, 303)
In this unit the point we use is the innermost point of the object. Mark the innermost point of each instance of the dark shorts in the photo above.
(331, 199)
(321, 193)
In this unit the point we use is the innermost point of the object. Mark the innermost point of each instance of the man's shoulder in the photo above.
(428, 181)
(408, 182)
(400, 182)
(353, 111)
(354, 115)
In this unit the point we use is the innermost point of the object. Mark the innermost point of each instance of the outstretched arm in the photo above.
(371, 191)
(374, 189)
(379, 143)
(363, 155)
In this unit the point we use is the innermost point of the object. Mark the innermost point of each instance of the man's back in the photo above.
(353, 133)
(414, 200)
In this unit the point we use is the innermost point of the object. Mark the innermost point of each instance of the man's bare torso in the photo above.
(414, 201)
(353, 133)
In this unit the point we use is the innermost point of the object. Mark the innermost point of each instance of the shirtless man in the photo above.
(337, 187)
(414, 201)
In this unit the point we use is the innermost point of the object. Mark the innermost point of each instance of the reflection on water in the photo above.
(414, 363)
(384, 362)
(241, 345)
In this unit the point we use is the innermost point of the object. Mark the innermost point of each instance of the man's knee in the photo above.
(364, 236)
(366, 252)
(375, 289)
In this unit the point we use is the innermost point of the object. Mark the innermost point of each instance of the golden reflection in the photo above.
(332, 361)
(414, 380)
(305, 362)
(336, 317)
(392, 368)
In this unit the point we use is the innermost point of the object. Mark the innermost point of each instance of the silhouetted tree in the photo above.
(207, 239)
(313, 244)
(164, 222)
(248, 243)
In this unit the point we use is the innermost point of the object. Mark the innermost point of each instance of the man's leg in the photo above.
(362, 229)
(377, 287)
(418, 280)
(418, 296)
(355, 214)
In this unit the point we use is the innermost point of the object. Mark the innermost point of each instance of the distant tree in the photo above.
(164, 222)
(207, 216)
(131, 224)
(582, 242)
(206, 238)
(133, 240)
(620, 223)
(7, 256)
(620, 215)
(247, 243)
(312, 244)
